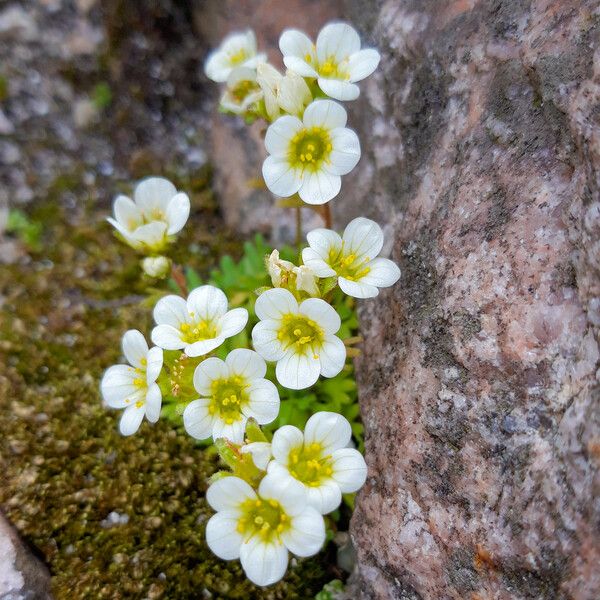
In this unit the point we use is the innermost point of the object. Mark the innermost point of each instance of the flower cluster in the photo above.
(271, 499)
(308, 143)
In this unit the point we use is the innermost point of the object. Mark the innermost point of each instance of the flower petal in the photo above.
(217, 66)
(228, 493)
(363, 63)
(325, 113)
(154, 360)
(332, 355)
(293, 42)
(337, 40)
(208, 371)
(340, 90)
(307, 533)
(280, 133)
(263, 562)
(126, 212)
(198, 422)
(246, 363)
(345, 153)
(349, 469)
(171, 310)
(232, 322)
(319, 187)
(363, 237)
(322, 241)
(153, 403)
(300, 66)
(316, 264)
(203, 346)
(152, 235)
(131, 419)
(234, 432)
(207, 302)
(286, 439)
(325, 498)
(329, 429)
(117, 385)
(260, 452)
(154, 193)
(124, 232)
(323, 313)
(275, 303)
(167, 337)
(289, 492)
(135, 348)
(264, 401)
(265, 340)
(357, 289)
(280, 177)
(178, 211)
(382, 273)
(222, 535)
(297, 371)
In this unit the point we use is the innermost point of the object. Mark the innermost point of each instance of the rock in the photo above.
(478, 379)
(6, 127)
(22, 575)
(84, 113)
(15, 22)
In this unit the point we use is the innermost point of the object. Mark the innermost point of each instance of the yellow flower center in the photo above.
(348, 266)
(235, 58)
(310, 148)
(196, 332)
(309, 465)
(302, 333)
(334, 70)
(265, 518)
(228, 397)
(242, 89)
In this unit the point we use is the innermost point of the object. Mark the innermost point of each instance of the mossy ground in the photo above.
(65, 467)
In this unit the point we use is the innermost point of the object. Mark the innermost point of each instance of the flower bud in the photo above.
(156, 266)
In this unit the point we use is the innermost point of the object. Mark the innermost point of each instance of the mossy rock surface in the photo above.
(113, 517)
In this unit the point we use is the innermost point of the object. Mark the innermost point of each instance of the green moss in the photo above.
(65, 467)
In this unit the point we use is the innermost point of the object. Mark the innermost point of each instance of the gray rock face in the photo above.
(22, 575)
(478, 379)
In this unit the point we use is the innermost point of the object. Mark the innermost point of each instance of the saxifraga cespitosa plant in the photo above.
(225, 366)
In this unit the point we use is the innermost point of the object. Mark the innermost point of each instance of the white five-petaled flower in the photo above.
(261, 528)
(337, 62)
(231, 392)
(134, 387)
(352, 258)
(309, 156)
(319, 459)
(198, 325)
(156, 212)
(238, 49)
(288, 93)
(301, 338)
(242, 91)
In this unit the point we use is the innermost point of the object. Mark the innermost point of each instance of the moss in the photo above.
(65, 467)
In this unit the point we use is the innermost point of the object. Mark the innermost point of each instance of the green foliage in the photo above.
(240, 280)
(26, 229)
(101, 95)
(3, 88)
(330, 590)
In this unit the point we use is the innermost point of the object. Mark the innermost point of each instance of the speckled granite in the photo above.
(478, 380)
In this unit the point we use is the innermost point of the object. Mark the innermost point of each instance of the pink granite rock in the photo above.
(478, 382)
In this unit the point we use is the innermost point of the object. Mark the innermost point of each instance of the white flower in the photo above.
(260, 452)
(242, 92)
(352, 258)
(288, 93)
(133, 387)
(231, 392)
(198, 325)
(310, 156)
(283, 272)
(236, 50)
(300, 338)
(156, 266)
(261, 528)
(319, 459)
(337, 61)
(156, 212)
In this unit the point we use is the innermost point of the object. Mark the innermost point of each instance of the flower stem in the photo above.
(327, 216)
(298, 227)
(179, 278)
